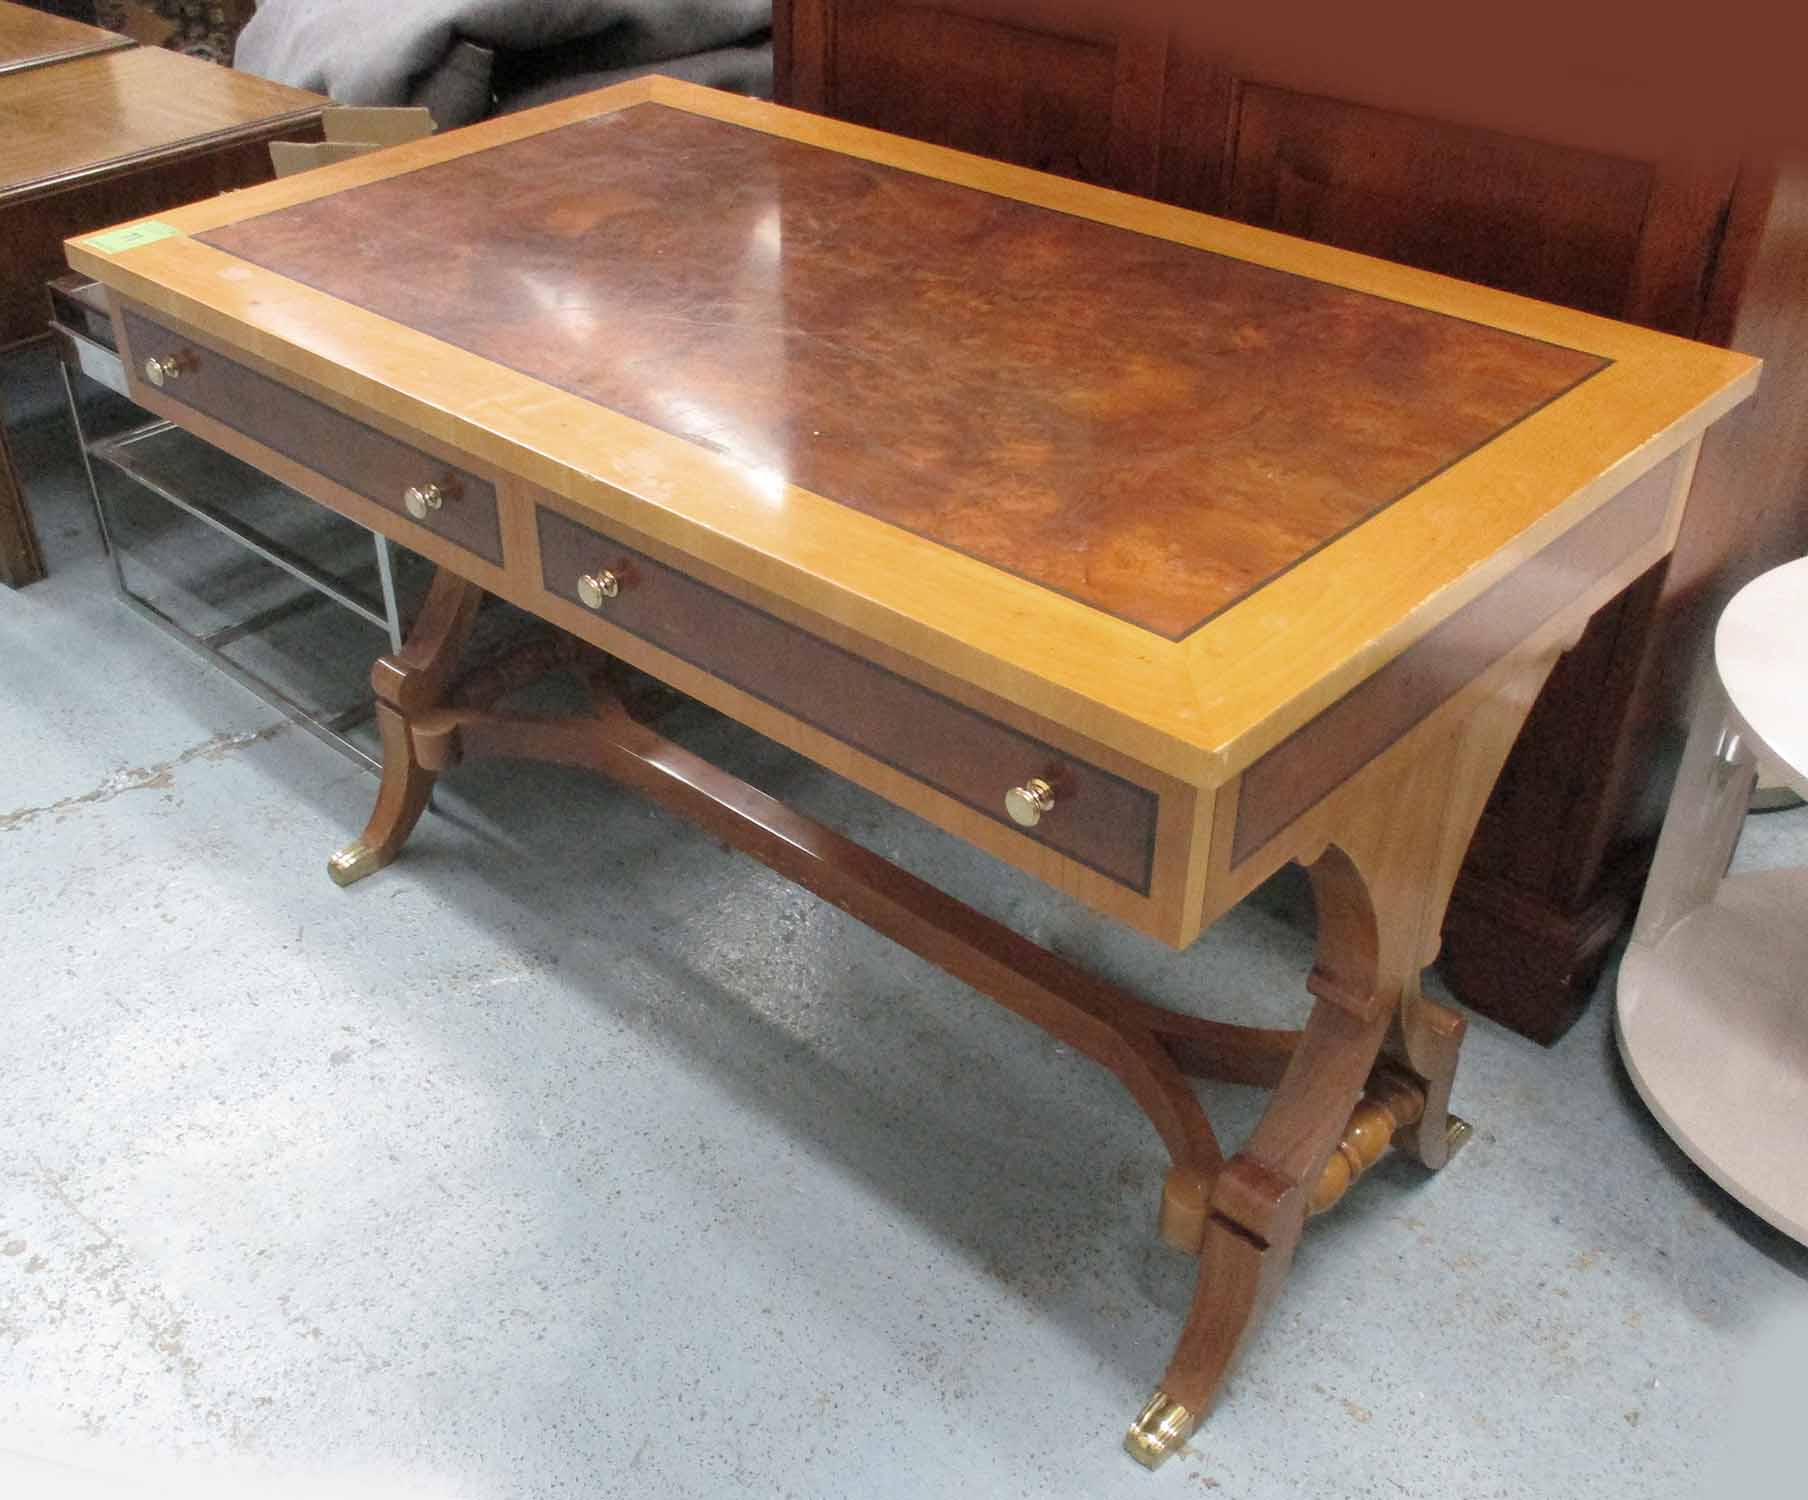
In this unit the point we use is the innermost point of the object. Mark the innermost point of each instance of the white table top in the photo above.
(1761, 652)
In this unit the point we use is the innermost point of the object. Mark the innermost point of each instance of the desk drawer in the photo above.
(341, 448)
(1099, 819)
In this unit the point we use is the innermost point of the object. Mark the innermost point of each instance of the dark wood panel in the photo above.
(979, 85)
(1314, 760)
(345, 450)
(21, 562)
(1529, 961)
(1060, 85)
(32, 229)
(1549, 221)
(1101, 820)
(1155, 441)
(1629, 238)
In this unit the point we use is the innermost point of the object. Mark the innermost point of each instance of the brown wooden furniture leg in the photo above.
(1427, 1036)
(1373, 1065)
(1380, 896)
(1138, 1042)
(1370, 906)
(409, 683)
(428, 729)
(21, 559)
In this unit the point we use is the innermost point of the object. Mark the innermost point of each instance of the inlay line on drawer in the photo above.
(1080, 810)
(445, 498)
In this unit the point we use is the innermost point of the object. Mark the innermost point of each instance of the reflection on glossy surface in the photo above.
(1151, 429)
(34, 38)
(77, 116)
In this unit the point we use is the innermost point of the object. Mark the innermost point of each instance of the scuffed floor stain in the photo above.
(142, 778)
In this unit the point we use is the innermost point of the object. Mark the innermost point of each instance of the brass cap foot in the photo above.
(1160, 1431)
(1456, 1134)
(352, 863)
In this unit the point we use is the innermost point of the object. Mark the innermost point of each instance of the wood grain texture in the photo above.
(95, 114)
(993, 76)
(1166, 912)
(1595, 189)
(33, 226)
(1309, 763)
(1560, 223)
(33, 39)
(1101, 820)
(1169, 912)
(341, 448)
(368, 513)
(87, 143)
(1151, 430)
(1384, 844)
(1198, 710)
(1488, 711)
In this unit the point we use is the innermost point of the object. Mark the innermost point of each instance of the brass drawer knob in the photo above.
(1030, 803)
(161, 370)
(421, 500)
(595, 589)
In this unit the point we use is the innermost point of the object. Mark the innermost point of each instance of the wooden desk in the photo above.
(104, 137)
(1607, 186)
(32, 38)
(1146, 551)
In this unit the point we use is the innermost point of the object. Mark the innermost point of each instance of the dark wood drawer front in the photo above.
(1099, 819)
(343, 449)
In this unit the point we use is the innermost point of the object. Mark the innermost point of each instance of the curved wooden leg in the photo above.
(1259, 1201)
(1431, 1055)
(1381, 896)
(401, 799)
(1428, 1037)
(411, 682)
(1373, 892)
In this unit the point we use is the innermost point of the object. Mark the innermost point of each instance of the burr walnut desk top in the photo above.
(1146, 551)
(32, 38)
(1157, 489)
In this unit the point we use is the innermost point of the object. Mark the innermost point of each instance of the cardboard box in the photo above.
(351, 131)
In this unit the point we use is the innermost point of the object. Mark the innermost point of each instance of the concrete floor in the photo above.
(573, 1157)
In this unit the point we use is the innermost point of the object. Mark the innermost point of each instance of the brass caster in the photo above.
(1160, 1431)
(352, 863)
(1456, 1134)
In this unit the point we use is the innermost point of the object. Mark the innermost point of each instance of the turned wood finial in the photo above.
(1184, 1206)
(1390, 1104)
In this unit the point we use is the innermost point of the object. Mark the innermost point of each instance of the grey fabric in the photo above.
(741, 70)
(459, 90)
(395, 51)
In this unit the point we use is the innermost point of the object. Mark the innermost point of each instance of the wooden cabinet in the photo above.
(1624, 238)
(1536, 191)
(1081, 97)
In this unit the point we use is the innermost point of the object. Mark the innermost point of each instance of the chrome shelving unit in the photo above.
(162, 460)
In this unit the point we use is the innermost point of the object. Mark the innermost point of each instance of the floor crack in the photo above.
(143, 778)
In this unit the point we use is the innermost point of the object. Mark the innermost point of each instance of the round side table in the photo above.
(1713, 992)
